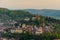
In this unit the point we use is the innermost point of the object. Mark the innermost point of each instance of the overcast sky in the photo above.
(30, 4)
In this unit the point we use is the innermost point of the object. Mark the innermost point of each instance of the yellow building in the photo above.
(23, 25)
(16, 30)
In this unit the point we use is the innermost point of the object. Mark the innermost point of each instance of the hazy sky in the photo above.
(30, 4)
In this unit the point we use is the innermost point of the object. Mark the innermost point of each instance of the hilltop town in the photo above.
(16, 24)
(28, 25)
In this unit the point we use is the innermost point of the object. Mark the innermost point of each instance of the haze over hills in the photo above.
(46, 12)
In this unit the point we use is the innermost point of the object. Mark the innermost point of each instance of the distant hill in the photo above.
(46, 12)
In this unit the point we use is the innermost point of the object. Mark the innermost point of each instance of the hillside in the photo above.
(17, 15)
(14, 14)
(37, 23)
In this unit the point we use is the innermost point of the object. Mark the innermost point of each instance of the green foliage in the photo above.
(14, 14)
